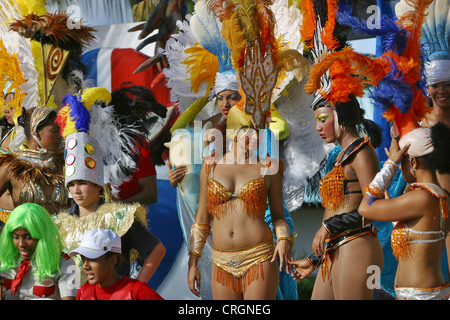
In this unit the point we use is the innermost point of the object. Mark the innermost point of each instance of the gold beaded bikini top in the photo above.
(37, 169)
(332, 185)
(253, 196)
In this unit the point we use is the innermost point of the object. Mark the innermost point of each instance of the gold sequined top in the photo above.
(253, 196)
(332, 185)
(37, 170)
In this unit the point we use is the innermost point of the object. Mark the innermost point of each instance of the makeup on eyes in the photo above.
(323, 117)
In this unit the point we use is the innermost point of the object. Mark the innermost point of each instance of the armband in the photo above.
(382, 179)
(199, 234)
(282, 230)
(343, 222)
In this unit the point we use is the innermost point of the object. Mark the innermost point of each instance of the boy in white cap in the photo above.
(100, 250)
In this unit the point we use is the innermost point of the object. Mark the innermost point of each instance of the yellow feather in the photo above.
(235, 38)
(202, 66)
(93, 95)
(31, 6)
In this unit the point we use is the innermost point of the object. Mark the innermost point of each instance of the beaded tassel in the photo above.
(331, 189)
(239, 284)
(399, 241)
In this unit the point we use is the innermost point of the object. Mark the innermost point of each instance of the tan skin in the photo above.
(50, 139)
(236, 229)
(420, 210)
(348, 274)
(87, 196)
(225, 100)
(26, 245)
(101, 271)
(440, 112)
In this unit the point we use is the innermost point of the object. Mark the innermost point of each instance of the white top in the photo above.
(62, 284)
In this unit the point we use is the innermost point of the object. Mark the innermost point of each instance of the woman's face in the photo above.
(248, 138)
(49, 136)
(98, 270)
(226, 99)
(24, 242)
(440, 94)
(325, 123)
(84, 193)
(9, 111)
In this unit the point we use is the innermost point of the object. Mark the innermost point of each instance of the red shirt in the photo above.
(124, 289)
(145, 168)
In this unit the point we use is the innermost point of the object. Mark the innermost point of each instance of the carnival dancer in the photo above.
(217, 81)
(100, 251)
(35, 174)
(90, 124)
(339, 119)
(421, 213)
(436, 49)
(234, 192)
(33, 265)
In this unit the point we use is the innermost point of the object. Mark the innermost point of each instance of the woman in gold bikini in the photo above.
(234, 190)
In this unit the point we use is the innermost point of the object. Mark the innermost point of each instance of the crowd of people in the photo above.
(77, 175)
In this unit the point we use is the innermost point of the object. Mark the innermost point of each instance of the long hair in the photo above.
(41, 227)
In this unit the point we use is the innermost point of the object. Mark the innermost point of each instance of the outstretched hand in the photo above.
(302, 269)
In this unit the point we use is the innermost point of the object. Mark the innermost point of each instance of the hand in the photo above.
(193, 279)
(302, 269)
(175, 176)
(394, 153)
(318, 245)
(283, 250)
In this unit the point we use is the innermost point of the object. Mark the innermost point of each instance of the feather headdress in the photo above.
(395, 76)
(435, 38)
(56, 47)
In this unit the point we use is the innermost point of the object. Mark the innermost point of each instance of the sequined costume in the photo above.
(37, 170)
(401, 244)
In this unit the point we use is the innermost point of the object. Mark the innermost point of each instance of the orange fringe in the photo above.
(239, 285)
(399, 241)
(253, 198)
(331, 189)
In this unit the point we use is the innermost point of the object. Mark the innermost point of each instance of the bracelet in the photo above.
(199, 234)
(282, 230)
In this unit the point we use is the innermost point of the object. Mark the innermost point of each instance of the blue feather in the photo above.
(393, 90)
(394, 35)
(78, 112)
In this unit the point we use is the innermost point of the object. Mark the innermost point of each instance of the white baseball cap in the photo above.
(96, 243)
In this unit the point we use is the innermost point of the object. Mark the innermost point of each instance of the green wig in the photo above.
(41, 227)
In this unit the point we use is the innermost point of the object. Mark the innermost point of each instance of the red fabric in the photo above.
(145, 168)
(125, 289)
(23, 270)
(124, 61)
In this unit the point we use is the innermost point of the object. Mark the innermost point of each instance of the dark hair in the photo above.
(120, 258)
(25, 121)
(350, 113)
(439, 158)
